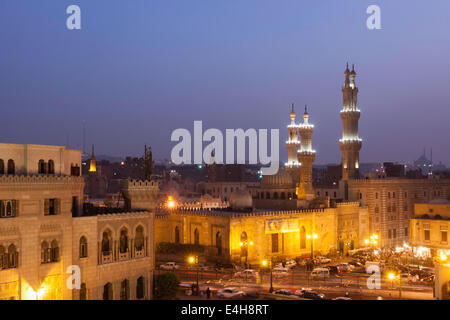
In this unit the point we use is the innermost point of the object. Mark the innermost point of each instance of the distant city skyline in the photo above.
(136, 75)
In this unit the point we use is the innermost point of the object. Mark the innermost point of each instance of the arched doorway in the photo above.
(196, 237)
(302, 238)
(219, 243)
(108, 291)
(177, 235)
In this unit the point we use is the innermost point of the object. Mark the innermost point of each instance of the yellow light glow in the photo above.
(264, 263)
(241, 244)
(366, 241)
(191, 259)
(251, 243)
(315, 236)
(391, 276)
(171, 204)
(443, 257)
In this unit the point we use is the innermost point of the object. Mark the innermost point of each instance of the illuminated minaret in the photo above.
(306, 156)
(350, 143)
(292, 145)
(92, 162)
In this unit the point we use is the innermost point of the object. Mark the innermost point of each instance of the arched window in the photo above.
(8, 209)
(54, 252)
(125, 290)
(13, 256)
(45, 252)
(219, 243)
(140, 288)
(267, 195)
(83, 247)
(177, 235)
(196, 237)
(123, 248)
(139, 239)
(3, 258)
(2, 166)
(106, 242)
(108, 291)
(283, 195)
(262, 195)
(11, 167)
(302, 238)
(42, 168)
(275, 195)
(51, 167)
(83, 291)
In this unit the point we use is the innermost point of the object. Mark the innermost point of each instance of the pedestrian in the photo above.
(208, 293)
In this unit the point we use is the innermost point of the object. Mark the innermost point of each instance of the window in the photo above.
(106, 242)
(405, 207)
(123, 248)
(219, 243)
(177, 235)
(443, 236)
(83, 291)
(13, 256)
(377, 209)
(75, 170)
(139, 239)
(406, 231)
(283, 195)
(51, 167)
(275, 195)
(267, 195)
(83, 247)
(42, 167)
(376, 195)
(274, 242)
(51, 207)
(389, 234)
(2, 166)
(11, 167)
(45, 252)
(196, 237)
(140, 288)
(3, 258)
(394, 233)
(125, 290)
(54, 251)
(427, 235)
(8, 208)
(108, 291)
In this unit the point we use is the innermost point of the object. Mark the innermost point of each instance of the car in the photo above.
(223, 266)
(323, 260)
(342, 298)
(169, 266)
(285, 292)
(290, 264)
(333, 270)
(199, 266)
(309, 294)
(229, 293)
(355, 264)
(280, 272)
(320, 273)
(345, 267)
(247, 274)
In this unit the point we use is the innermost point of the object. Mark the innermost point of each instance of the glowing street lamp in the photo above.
(265, 264)
(170, 202)
(194, 260)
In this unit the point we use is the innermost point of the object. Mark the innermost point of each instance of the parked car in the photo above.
(345, 267)
(285, 292)
(280, 272)
(290, 264)
(323, 260)
(169, 266)
(309, 294)
(223, 266)
(333, 270)
(230, 293)
(342, 298)
(320, 273)
(247, 274)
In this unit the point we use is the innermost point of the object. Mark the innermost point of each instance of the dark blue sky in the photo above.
(139, 69)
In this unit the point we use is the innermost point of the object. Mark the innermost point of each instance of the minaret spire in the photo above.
(350, 143)
(306, 156)
(92, 162)
(292, 145)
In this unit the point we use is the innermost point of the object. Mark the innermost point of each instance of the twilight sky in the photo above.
(140, 69)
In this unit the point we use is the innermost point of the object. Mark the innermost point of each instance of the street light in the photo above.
(170, 202)
(392, 276)
(194, 260)
(312, 237)
(245, 244)
(266, 264)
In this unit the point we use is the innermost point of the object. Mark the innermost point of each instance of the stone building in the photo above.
(44, 231)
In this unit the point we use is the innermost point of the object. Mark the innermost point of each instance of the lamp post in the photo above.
(392, 276)
(265, 264)
(245, 244)
(312, 237)
(194, 260)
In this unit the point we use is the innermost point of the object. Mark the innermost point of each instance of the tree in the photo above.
(166, 286)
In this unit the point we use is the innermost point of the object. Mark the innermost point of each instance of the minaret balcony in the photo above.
(292, 164)
(292, 142)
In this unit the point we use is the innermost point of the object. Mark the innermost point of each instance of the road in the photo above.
(335, 286)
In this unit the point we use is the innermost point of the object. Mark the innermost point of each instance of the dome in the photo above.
(280, 180)
(241, 199)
